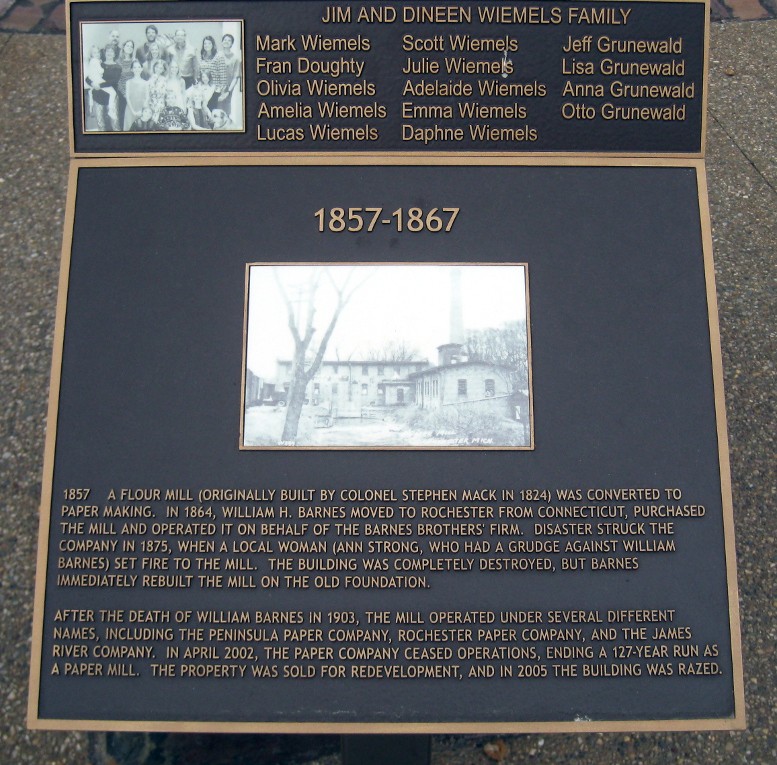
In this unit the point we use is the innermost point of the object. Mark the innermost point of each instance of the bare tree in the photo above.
(506, 345)
(394, 352)
(301, 314)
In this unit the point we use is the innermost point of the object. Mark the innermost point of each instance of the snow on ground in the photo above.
(264, 427)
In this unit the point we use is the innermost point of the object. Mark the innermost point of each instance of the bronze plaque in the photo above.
(383, 436)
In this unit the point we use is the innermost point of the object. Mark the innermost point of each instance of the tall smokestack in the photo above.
(457, 318)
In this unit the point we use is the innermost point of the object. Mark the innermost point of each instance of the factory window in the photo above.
(462, 387)
(490, 388)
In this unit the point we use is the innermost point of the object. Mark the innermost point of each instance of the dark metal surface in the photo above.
(386, 750)
(622, 382)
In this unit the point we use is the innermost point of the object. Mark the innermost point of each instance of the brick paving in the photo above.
(48, 16)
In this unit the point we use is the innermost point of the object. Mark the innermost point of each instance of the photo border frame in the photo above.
(475, 447)
(181, 22)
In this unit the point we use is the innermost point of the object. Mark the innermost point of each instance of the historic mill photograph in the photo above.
(387, 356)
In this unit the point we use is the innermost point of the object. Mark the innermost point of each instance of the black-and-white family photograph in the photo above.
(159, 76)
(387, 356)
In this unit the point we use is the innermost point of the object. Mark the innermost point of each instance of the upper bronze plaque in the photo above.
(617, 78)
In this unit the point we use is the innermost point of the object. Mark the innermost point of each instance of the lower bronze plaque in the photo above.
(386, 448)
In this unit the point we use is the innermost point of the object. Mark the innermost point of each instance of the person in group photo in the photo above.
(145, 122)
(111, 77)
(172, 116)
(113, 41)
(93, 77)
(126, 60)
(197, 98)
(136, 94)
(176, 83)
(153, 38)
(157, 88)
(185, 56)
(212, 61)
(233, 72)
(152, 55)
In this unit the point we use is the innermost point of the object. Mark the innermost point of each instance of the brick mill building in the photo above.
(348, 387)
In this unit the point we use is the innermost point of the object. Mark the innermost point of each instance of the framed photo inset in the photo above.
(162, 76)
(387, 356)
